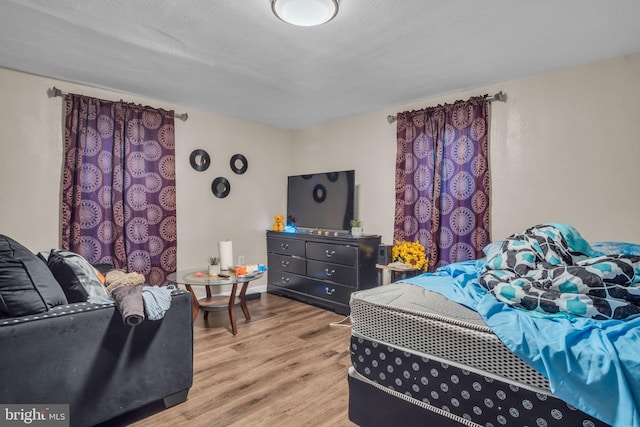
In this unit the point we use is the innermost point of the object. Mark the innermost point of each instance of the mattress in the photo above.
(437, 354)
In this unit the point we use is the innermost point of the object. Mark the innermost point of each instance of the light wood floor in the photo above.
(286, 367)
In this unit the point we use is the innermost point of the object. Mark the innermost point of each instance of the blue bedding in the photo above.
(592, 364)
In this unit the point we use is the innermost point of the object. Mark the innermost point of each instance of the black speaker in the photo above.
(384, 254)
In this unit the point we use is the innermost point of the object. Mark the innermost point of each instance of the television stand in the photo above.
(320, 269)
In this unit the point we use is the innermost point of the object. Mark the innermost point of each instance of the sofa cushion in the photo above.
(77, 277)
(26, 284)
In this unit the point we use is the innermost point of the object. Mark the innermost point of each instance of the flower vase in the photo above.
(214, 270)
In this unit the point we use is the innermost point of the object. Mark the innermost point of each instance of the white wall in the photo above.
(565, 147)
(31, 143)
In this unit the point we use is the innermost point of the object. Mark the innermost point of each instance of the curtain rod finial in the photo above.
(391, 119)
(53, 92)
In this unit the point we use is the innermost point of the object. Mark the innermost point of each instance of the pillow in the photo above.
(103, 269)
(77, 277)
(26, 284)
(616, 248)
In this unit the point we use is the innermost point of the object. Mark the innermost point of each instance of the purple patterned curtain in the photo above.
(443, 181)
(119, 189)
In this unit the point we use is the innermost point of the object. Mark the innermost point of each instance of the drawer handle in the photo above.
(329, 254)
(285, 263)
(329, 273)
(285, 279)
(329, 291)
(284, 245)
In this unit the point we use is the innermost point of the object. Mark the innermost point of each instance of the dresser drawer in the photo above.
(337, 273)
(337, 254)
(287, 280)
(286, 246)
(287, 263)
(329, 291)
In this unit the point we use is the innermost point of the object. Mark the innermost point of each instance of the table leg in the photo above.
(232, 311)
(196, 305)
(206, 312)
(243, 301)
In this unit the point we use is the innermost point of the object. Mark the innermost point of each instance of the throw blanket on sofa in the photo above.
(126, 289)
(157, 300)
(548, 269)
(118, 278)
(129, 302)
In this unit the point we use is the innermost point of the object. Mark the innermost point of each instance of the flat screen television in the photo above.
(321, 200)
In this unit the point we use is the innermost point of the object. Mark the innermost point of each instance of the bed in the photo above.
(475, 345)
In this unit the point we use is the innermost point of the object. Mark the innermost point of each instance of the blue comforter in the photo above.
(540, 269)
(592, 364)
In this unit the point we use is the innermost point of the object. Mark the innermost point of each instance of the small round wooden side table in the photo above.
(196, 277)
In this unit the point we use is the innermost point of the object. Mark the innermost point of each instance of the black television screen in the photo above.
(321, 200)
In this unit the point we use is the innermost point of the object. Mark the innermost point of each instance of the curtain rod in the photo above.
(54, 91)
(500, 96)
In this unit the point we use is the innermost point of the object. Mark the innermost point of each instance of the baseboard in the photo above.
(253, 295)
(253, 292)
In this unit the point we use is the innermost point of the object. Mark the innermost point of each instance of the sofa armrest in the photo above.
(85, 356)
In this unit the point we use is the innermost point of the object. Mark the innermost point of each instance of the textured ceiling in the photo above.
(233, 57)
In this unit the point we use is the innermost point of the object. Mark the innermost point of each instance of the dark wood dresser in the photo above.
(319, 269)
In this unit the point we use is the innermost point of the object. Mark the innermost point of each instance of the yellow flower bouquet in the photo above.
(411, 253)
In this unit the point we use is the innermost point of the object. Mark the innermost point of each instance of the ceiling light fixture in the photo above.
(305, 13)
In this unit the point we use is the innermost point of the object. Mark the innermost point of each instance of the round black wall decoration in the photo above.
(200, 160)
(319, 193)
(239, 164)
(332, 176)
(220, 187)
